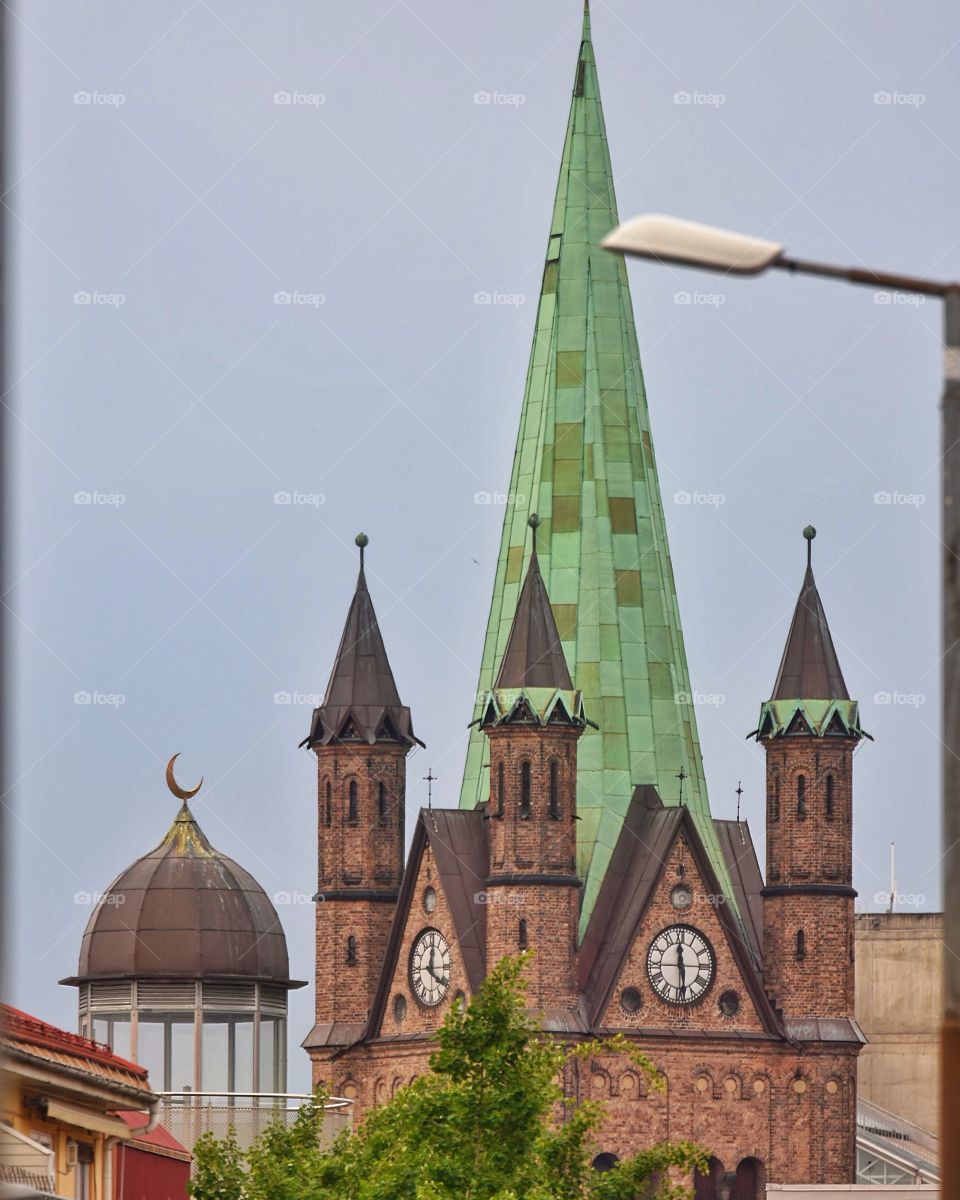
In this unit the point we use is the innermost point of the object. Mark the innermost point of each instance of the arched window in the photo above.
(801, 945)
(352, 958)
(327, 806)
(501, 788)
(352, 812)
(524, 791)
(382, 801)
(522, 935)
(775, 798)
(828, 798)
(554, 808)
(801, 796)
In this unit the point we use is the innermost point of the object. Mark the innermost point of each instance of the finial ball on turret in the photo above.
(533, 520)
(361, 540)
(809, 533)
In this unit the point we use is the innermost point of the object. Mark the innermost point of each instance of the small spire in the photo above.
(586, 20)
(739, 794)
(810, 668)
(534, 656)
(361, 701)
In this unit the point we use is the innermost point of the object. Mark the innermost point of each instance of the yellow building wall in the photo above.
(15, 1113)
(899, 990)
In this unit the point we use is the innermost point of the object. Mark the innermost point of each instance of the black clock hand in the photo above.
(682, 968)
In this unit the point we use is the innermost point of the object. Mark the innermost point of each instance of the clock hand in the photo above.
(682, 968)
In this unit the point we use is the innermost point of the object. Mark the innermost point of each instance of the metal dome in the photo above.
(184, 911)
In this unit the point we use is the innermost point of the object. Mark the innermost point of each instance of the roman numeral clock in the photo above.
(430, 967)
(680, 964)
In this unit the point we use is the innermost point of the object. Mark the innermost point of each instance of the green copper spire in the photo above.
(584, 461)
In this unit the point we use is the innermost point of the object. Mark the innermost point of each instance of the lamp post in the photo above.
(671, 240)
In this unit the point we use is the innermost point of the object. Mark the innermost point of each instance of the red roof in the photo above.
(22, 1027)
(161, 1138)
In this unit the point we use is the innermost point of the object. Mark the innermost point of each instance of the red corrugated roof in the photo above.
(19, 1026)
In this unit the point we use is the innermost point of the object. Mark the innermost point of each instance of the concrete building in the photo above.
(899, 981)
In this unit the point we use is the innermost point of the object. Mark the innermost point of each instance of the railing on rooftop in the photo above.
(871, 1118)
(188, 1115)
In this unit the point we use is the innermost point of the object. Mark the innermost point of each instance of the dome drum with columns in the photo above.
(183, 967)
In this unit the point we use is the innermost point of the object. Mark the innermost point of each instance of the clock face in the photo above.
(680, 964)
(430, 967)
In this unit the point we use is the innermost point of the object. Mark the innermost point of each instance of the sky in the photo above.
(275, 272)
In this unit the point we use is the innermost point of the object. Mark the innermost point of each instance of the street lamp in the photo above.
(671, 240)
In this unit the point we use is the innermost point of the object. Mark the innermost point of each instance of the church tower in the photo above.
(585, 462)
(361, 735)
(809, 730)
(533, 719)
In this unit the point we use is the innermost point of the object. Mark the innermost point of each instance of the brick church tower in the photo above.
(809, 730)
(361, 735)
(533, 719)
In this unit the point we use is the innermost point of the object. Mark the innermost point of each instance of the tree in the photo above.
(490, 1122)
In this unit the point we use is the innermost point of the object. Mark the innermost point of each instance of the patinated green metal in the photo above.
(817, 718)
(584, 461)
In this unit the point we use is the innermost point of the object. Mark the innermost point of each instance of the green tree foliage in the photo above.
(490, 1122)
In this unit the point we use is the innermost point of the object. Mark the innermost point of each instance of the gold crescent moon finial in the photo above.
(178, 791)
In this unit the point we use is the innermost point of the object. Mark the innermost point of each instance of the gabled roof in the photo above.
(649, 833)
(458, 841)
(534, 656)
(743, 868)
(584, 460)
(361, 702)
(809, 669)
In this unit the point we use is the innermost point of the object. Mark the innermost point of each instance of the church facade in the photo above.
(584, 831)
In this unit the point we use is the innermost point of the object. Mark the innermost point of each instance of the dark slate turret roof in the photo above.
(810, 669)
(534, 656)
(361, 701)
(184, 911)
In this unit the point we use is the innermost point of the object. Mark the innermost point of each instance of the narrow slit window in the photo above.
(352, 809)
(327, 806)
(801, 796)
(522, 935)
(381, 801)
(775, 799)
(352, 958)
(555, 791)
(501, 788)
(828, 798)
(801, 945)
(524, 791)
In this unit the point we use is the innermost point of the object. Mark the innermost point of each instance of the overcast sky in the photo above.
(162, 198)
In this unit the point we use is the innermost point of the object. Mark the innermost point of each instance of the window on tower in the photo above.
(327, 806)
(555, 791)
(524, 791)
(352, 810)
(801, 796)
(801, 945)
(522, 935)
(381, 802)
(352, 958)
(775, 798)
(501, 788)
(828, 798)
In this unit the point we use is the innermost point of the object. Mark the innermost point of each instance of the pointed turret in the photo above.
(809, 668)
(361, 702)
(809, 731)
(534, 656)
(584, 461)
(810, 695)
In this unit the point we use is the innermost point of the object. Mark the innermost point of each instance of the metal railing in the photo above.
(188, 1115)
(871, 1118)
